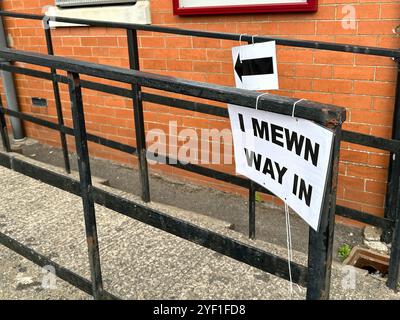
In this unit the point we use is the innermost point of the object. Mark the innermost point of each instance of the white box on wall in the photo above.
(85, 3)
(130, 13)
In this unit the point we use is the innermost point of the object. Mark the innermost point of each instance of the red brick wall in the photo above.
(365, 85)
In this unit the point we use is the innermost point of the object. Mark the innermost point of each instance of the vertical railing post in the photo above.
(392, 210)
(3, 129)
(85, 183)
(394, 166)
(252, 200)
(394, 263)
(57, 98)
(252, 210)
(139, 118)
(320, 246)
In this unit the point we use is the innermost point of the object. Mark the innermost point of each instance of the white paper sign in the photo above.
(255, 66)
(288, 156)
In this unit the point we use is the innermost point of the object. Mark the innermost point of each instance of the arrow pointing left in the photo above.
(253, 67)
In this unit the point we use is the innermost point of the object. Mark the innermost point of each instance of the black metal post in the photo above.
(139, 118)
(252, 199)
(392, 210)
(3, 129)
(57, 97)
(394, 264)
(252, 210)
(320, 246)
(85, 183)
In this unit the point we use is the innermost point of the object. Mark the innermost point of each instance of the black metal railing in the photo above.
(305, 109)
(321, 242)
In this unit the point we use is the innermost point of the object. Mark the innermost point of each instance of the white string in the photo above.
(240, 44)
(258, 97)
(252, 38)
(289, 247)
(240, 38)
(289, 230)
(294, 106)
(46, 22)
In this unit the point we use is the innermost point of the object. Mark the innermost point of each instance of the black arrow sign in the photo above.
(253, 67)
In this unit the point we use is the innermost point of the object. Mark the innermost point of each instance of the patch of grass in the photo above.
(344, 251)
(258, 197)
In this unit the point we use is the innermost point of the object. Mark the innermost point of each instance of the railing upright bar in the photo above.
(320, 246)
(252, 195)
(3, 129)
(252, 210)
(394, 166)
(139, 117)
(57, 98)
(394, 265)
(85, 183)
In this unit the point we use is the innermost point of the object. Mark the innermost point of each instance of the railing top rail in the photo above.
(375, 51)
(322, 113)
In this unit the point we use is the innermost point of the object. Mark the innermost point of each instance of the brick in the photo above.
(375, 187)
(352, 101)
(378, 174)
(208, 67)
(180, 65)
(374, 210)
(71, 41)
(365, 197)
(390, 10)
(374, 88)
(386, 74)
(333, 28)
(291, 83)
(267, 28)
(101, 52)
(378, 27)
(295, 56)
(321, 97)
(107, 41)
(354, 156)
(365, 11)
(206, 43)
(383, 104)
(381, 160)
(365, 60)
(351, 183)
(154, 64)
(349, 204)
(353, 73)
(152, 42)
(89, 41)
(335, 58)
(356, 127)
(178, 42)
(361, 40)
(192, 54)
(313, 71)
(371, 117)
(335, 86)
(64, 51)
(218, 55)
(293, 27)
(82, 51)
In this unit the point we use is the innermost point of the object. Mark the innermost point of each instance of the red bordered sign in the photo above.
(207, 7)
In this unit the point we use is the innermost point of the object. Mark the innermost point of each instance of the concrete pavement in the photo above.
(138, 261)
